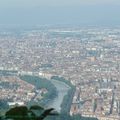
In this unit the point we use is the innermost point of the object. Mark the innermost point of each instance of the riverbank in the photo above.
(62, 90)
(67, 100)
(57, 91)
(40, 83)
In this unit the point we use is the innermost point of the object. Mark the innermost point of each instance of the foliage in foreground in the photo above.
(39, 113)
(32, 113)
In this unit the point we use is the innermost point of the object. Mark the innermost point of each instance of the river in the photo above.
(62, 89)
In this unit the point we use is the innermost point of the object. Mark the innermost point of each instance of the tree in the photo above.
(33, 113)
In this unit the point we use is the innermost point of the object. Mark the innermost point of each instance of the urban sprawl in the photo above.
(87, 57)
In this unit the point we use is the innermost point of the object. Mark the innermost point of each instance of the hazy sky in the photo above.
(30, 3)
(83, 12)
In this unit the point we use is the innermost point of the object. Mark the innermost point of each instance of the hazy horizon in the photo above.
(75, 12)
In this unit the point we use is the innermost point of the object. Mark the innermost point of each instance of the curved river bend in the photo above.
(62, 89)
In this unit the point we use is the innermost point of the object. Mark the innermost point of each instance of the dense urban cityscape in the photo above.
(87, 57)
